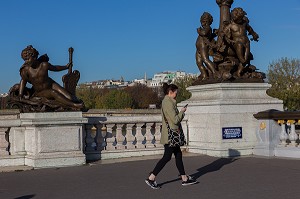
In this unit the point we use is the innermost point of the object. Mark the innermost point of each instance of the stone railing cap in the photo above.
(278, 115)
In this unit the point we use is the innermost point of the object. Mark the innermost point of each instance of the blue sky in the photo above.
(114, 38)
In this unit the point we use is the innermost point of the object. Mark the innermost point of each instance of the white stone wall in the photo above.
(215, 106)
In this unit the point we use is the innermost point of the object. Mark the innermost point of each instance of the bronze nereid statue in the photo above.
(45, 94)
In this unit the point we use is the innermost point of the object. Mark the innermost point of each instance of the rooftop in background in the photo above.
(3, 94)
(157, 80)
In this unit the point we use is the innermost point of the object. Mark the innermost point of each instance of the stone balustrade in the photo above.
(122, 136)
(103, 136)
(116, 135)
(288, 135)
(278, 133)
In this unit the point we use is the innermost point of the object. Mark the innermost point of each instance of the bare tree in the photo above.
(284, 76)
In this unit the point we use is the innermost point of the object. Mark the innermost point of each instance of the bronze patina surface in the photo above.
(45, 94)
(223, 54)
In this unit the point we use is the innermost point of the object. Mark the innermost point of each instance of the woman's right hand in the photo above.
(183, 109)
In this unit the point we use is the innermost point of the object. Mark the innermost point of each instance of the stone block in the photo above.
(224, 105)
(53, 139)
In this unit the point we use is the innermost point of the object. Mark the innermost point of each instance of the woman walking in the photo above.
(171, 117)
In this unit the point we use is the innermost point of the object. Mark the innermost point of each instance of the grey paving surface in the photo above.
(219, 178)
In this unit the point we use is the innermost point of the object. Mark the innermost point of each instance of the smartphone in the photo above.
(185, 105)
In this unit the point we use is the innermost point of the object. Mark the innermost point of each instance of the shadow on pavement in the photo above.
(217, 164)
(26, 197)
(169, 181)
(212, 167)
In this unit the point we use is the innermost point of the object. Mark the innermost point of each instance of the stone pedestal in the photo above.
(213, 107)
(48, 139)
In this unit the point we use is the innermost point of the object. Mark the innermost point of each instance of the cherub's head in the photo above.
(238, 14)
(224, 2)
(29, 52)
(206, 19)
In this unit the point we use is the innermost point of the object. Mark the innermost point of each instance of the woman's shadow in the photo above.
(212, 167)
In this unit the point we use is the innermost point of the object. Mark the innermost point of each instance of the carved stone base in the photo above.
(53, 139)
(43, 140)
(226, 105)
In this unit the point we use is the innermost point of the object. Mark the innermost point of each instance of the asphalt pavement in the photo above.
(219, 178)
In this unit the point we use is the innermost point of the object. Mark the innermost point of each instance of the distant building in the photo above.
(142, 81)
(156, 81)
(165, 77)
(110, 83)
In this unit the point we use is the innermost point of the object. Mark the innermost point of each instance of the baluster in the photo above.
(89, 140)
(298, 123)
(110, 137)
(293, 135)
(104, 135)
(152, 133)
(94, 136)
(157, 135)
(130, 138)
(99, 139)
(149, 135)
(134, 135)
(4, 142)
(120, 136)
(140, 136)
(283, 135)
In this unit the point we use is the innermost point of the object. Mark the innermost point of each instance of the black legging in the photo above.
(167, 157)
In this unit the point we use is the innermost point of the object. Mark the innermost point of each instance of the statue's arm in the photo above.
(57, 67)
(252, 32)
(203, 31)
(22, 82)
(227, 34)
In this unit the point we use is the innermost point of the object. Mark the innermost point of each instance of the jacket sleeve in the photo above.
(171, 113)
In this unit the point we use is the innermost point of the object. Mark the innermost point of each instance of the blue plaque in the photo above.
(232, 132)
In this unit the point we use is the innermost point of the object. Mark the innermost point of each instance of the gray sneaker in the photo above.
(152, 184)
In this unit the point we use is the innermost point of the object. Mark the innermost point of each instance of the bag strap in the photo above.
(168, 126)
(165, 117)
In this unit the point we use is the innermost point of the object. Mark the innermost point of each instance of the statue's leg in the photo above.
(239, 70)
(247, 52)
(61, 90)
(53, 94)
(210, 65)
(203, 71)
(240, 52)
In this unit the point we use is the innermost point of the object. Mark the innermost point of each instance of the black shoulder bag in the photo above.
(175, 137)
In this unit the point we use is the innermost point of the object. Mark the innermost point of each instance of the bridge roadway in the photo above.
(219, 178)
